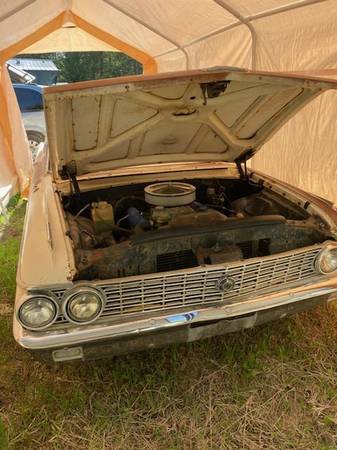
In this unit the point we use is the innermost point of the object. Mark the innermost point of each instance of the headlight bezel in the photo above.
(48, 297)
(319, 258)
(70, 294)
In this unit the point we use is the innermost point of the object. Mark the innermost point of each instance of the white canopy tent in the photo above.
(166, 35)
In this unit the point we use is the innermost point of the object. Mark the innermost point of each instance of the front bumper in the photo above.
(183, 333)
(105, 339)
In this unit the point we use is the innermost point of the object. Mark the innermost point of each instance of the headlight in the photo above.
(326, 261)
(38, 312)
(83, 304)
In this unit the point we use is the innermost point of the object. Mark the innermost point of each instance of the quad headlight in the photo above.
(326, 261)
(38, 312)
(83, 304)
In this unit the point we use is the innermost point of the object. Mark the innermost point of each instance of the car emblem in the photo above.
(225, 284)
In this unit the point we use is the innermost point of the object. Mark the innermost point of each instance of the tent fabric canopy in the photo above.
(69, 38)
(166, 35)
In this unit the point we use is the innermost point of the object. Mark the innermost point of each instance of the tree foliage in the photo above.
(81, 66)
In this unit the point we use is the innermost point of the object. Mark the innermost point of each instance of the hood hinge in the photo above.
(241, 162)
(69, 171)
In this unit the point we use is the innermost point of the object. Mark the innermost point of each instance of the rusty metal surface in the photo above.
(186, 333)
(135, 297)
(138, 255)
(323, 205)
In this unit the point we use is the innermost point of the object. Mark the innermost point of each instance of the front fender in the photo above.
(46, 255)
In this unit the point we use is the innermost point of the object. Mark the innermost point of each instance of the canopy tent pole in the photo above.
(244, 21)
(148, 62)
(10, 147)
(154, 30)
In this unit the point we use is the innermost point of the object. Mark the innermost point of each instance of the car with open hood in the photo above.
(146, 227)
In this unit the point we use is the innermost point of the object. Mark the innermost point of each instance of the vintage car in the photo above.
(145, 227)
(30, 100)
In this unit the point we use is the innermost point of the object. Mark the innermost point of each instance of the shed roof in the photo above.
(18, 75)
(33, 64)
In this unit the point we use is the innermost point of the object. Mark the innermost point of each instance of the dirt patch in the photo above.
(9, 232)
(6, 309)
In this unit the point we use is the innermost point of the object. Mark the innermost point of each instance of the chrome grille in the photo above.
(198, 286)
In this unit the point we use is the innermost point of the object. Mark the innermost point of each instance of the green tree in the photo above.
(81, 66)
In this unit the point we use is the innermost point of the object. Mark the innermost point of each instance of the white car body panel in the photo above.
(203, 116)
(46, 255)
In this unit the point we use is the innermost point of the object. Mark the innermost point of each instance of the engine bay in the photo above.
(158, 227)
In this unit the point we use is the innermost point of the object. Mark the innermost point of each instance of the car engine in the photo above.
(179, 225)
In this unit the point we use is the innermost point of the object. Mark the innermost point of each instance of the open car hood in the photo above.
(222, 114)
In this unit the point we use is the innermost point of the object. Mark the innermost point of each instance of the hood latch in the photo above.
(214, 89)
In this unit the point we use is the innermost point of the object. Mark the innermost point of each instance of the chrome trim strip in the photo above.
(159, 293)
(103, 331)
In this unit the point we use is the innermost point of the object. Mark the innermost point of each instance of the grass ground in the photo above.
(273, 387)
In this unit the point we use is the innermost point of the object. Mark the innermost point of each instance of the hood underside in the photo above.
(211, 115)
